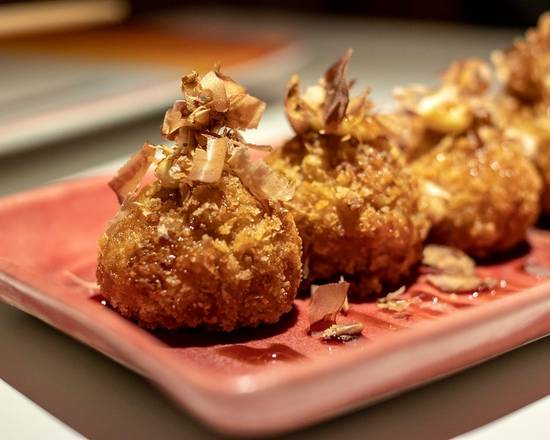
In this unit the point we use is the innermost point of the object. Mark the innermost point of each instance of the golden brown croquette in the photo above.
(523, 103)
(213, 256)
(209, 243)
(480, 192)
(523, 68)
(356, 209)
(355, 206)
(481, 195)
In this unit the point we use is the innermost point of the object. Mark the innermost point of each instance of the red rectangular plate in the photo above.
(273, 378)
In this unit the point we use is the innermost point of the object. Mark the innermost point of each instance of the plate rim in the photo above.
(220, 405)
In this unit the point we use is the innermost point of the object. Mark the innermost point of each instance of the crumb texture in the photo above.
(487, 195)
(356, 209)
(209, 255)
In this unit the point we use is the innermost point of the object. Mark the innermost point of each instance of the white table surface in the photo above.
(65, 389)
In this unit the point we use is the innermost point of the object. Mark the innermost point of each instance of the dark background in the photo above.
(497, 13)
(519, 13)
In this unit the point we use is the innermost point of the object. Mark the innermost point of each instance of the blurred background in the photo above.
(83, 83)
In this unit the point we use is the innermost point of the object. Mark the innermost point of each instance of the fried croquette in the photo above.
(213, 256)
(481, 195)
(524, 67)
(480, 192)
(355, 206)
(523, 104)
(209, 243)
(532, 132)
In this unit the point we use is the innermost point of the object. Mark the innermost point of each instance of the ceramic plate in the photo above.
(273, 378)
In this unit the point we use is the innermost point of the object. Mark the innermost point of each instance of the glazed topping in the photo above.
(205, 127)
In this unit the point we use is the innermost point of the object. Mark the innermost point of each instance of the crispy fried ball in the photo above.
(529, 125)
(542, 161)
(532, 131)
(211, 255)
(409, 131)
(523, 68)
(356, 210)
(480, 198)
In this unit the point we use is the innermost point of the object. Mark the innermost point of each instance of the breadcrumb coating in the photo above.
(481, 196)
(208, 243)
(524, 68)
(523, 104)
(479, 189)
(356, 209)
(355, 206)
(211, 256)
(531, 129)
(542, 162)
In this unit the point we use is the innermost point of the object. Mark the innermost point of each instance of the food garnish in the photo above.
(534, 268)
(453, 107)
(259, 177)
(393, 301)
(337, 92)
(342, 332)
(346, 307)
(205, 127)
(208, 243)
(328, 109)
(327, 301)
(129, 176)
(207, 165)
(460, 282)
(455, 270)
(447, 259)
(355, 205)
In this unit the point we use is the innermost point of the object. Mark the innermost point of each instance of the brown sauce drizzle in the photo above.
(260, 356)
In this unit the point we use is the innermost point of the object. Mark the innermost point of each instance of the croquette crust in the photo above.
(493, 195)
(209, 256)
(542, 161)
(530, 119)
(356, 210)
(530, 126)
